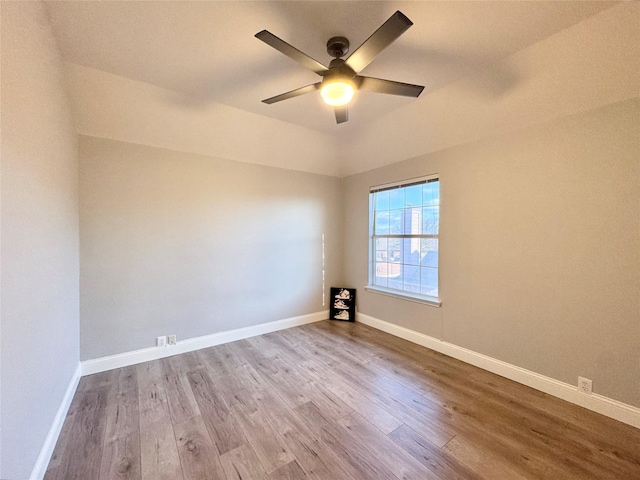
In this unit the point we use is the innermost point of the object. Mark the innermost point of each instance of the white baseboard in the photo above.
(598, 403)
(46, 451)
(144, 355)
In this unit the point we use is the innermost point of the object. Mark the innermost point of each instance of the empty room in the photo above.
(220, 240)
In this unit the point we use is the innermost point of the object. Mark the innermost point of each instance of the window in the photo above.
(403, 239)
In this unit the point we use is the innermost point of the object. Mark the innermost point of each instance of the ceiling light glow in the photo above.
(337, 93)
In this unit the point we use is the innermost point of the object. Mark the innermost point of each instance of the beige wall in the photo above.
(179, 243)
(39, 326)
(540, 248)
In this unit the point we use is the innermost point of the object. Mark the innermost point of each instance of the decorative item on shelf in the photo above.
(343, 304)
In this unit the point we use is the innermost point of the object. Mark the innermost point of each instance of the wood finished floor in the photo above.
(331, 401)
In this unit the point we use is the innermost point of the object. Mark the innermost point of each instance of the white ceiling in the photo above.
(206, 53)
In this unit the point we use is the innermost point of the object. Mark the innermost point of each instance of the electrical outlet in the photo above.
(171, 340)
(161, 341)
(585, 385)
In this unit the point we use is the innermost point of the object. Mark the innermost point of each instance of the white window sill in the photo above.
(431, 301)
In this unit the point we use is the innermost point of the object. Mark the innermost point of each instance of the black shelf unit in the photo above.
(343, 304)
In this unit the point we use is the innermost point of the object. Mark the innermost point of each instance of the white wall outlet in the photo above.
(161, 341)
(585, 385)
(171, 340)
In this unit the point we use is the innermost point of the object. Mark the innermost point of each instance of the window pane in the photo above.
(413, 196)
(412, 220)
(411, 251)
(396, 198)
(395, 222)
(430, 218)
(411, 278)
(429, 281)
(431, 193)
(429, 252)
(395, 250)
(382, 223)
(381, 274)
(381, 200)
(381, 249)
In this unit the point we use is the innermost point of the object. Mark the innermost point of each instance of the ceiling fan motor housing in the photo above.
(339, 68)
(338, 46)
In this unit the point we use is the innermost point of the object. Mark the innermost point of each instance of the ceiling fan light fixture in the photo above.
(337, 92)
(341, 78)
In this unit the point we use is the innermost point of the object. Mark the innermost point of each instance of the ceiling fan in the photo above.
(340, 79)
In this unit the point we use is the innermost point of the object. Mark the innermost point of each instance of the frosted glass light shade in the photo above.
(337, 93)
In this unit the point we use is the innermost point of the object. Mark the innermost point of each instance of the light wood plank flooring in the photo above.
(331, 401)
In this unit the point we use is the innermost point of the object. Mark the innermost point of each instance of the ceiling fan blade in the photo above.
(291, 52)
(342, 114)
(293, 93)
(395, 26)
(378, 85)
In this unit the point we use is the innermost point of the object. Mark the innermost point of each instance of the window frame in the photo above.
(393, 292)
